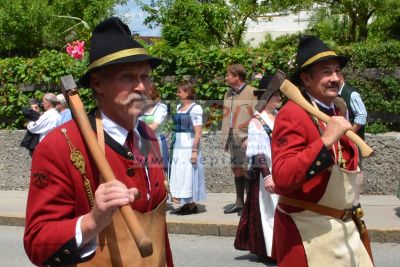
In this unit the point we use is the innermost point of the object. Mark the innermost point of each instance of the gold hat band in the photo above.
(318, 56)
(117, 55)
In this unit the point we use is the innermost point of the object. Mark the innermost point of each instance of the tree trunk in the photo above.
(362, 30)
(363, 24)
(353, 27)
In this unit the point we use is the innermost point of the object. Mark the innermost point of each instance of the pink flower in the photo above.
(76, 49)
(258, 76)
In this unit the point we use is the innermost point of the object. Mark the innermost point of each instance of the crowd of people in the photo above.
(296, 171)
(55, 113)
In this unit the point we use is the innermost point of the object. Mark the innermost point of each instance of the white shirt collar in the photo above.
(239, 90)
(116, 132)
(313, 99)
(151, 112)
(242, 86)
(341, 88)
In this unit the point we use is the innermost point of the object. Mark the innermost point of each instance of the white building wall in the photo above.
(280, 24)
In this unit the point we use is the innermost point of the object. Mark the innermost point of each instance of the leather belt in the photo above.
(355, 214)
(344, 215)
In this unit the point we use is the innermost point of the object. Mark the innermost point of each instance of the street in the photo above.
(188, 251)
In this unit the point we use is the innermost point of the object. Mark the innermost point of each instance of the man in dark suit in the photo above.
(355, 106)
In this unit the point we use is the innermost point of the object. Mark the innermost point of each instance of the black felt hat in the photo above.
(112, 43)
(311, 50)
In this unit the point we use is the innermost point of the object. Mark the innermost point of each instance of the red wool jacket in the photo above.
(299, 170)
(57, 197)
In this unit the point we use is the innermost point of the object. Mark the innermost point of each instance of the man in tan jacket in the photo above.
(239, 102)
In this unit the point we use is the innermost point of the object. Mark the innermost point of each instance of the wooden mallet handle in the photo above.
(69, 89)
(293, 93)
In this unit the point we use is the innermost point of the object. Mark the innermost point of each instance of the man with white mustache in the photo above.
(68, 208)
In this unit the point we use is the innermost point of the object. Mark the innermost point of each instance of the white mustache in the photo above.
(134, 97)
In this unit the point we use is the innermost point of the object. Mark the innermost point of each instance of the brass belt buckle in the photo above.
(359, 212)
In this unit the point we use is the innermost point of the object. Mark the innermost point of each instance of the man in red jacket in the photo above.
(314, 169)
(66, 221)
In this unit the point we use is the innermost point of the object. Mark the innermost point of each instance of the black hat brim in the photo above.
(295, 77)
(153, 61)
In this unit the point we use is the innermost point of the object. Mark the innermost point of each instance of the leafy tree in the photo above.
(358, 15)
(26, 27)
(21, 26)
(69, 16)
(207, 22)
(386, 24)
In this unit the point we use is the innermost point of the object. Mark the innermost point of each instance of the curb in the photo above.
(387, 235)
(10, 220)
(195, 228)
(378, 235)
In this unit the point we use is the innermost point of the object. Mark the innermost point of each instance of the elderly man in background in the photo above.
(62, 107)
(49, 120)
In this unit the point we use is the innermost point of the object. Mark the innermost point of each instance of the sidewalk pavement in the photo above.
(382, 215)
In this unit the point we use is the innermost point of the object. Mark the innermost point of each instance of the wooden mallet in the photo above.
(292, 92)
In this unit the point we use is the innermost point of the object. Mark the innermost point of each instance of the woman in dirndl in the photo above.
(187, 181)
(255, 228)
(155, 117)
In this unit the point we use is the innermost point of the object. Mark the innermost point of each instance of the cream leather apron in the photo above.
(329, 241)
(117, 248)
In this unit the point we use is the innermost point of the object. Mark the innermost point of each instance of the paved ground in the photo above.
(188, 251)
(382, 215)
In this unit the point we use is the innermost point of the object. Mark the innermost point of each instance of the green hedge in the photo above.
(380, 95)
(42, 71)
(207, 65)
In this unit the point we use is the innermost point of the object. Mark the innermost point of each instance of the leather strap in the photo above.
(317, 208)
(100, 136)
(265, 126)
(100, 132)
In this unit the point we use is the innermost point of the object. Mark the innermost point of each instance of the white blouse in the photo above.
(258, 141)
(160, 112)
